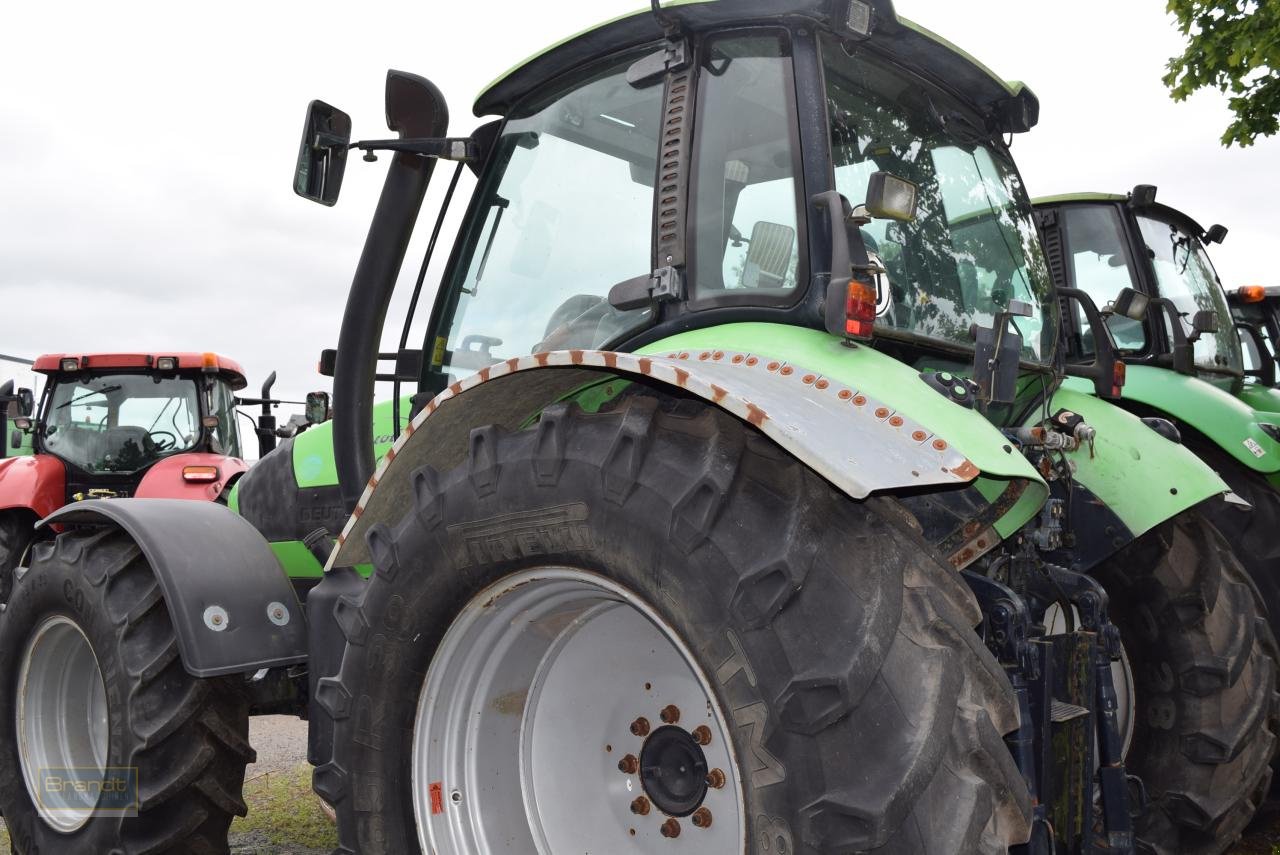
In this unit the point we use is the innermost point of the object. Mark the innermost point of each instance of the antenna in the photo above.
(17, 359)
(670, 26)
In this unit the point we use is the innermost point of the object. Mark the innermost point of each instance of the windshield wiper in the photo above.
(105, 390)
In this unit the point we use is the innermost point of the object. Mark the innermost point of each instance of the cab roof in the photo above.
(51, 363)
(905, 41)
(1159, 210)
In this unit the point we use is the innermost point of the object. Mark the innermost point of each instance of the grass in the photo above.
(284, 812)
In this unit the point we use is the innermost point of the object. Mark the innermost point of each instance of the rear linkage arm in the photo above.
(1033, 663)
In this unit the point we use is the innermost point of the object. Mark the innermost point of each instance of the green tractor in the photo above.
(1188, 360)
(1256, 312)
(738, 505)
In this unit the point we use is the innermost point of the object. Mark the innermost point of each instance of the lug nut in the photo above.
(670, 714)
(640, 806)
(701, 818)
(715, 779)
(640, 727)
(629, 765)
(702, 735)
(671, 828)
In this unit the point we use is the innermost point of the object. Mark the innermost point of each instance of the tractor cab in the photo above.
(1255, 310)
(1174, 313)
(110, 419)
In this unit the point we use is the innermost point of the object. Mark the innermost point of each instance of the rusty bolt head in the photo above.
(671, 828)
(701, 818)
(670, 714)
(702, 735)
(640, 727)
(640, 806)
(715, 779)
(629, 765)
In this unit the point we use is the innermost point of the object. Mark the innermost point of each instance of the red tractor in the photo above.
(115, 425)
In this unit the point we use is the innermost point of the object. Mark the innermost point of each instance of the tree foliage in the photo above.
(1232, 46)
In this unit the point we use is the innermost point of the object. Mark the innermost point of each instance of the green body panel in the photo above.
(1259, 397)
(299, 563)
(1224, 418)
(1142, 477)
(1079, 197)
(297, 560)
(314, 466)
(1012, 87)
(888, 380)
(313, 461)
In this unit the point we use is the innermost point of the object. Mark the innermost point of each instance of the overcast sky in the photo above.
(148, 148)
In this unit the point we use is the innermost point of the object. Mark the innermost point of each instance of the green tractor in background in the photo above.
(1256, 310)
(1188, 360)
(740, 506)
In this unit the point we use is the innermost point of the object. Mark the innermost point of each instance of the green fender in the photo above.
(1142, 477)
(1225, 419)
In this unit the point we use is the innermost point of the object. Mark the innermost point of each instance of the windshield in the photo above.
(973, 246)
(565, 214)
(1185, 276)
(120, 423)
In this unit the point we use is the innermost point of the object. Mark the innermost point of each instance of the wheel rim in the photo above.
(62, 722)
(1121, 676)
(515, 749)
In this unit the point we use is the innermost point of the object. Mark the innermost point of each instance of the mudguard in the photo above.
(164, 479)
(835, 411)
(36, 483)
(1225, 419)
(1132, 475)
(232, 607)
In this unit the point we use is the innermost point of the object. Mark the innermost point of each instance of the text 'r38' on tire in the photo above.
(91, 680)
(651, 630)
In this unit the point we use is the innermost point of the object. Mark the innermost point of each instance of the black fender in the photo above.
(232, 606)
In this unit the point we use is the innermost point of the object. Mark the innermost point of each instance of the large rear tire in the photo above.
(829, 654)
(1204, 666)
(15, 536)
(1255, 533)
(91, 678)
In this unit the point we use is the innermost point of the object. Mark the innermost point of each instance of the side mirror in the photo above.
(1131, 304)
(26, 402)
(1182, 355)
(891, 198)
(317, 407)
(322, 154)
(1217, 233)
(1203, 321)
(1107, 369)
(1142, 196)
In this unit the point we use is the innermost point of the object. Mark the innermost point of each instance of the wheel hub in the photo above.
(673, 771)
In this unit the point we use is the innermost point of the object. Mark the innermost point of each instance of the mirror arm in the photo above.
(1183, 358)
(1107, 367)
(462, 149)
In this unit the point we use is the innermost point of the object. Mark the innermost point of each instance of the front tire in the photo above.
(88, 644)
(1204, 667)
(831, 657)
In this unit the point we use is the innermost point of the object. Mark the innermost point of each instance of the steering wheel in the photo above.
(163, 444)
